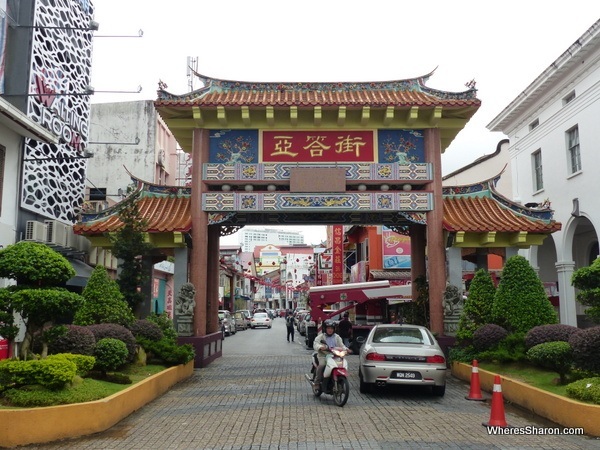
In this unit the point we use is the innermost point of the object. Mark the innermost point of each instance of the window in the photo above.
(573, 149)
(538, 180)
(97, 194)
(534, 124)
(569, 98)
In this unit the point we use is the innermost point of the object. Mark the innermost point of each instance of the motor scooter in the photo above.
(335, 375)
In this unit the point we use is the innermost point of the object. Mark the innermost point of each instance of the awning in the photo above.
(390, 274)
(82, 273)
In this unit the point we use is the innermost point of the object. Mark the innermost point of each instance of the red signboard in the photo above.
(337, 250)
(318, 146)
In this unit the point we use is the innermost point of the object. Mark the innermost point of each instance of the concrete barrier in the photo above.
(24, 426)
(562, 410)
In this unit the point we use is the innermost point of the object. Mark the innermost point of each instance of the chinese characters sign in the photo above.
(317, 146)
(337, 250)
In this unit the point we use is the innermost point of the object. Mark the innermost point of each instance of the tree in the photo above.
(478, 306)
(130, 247)
(34, 264)
(587, 280)
(38, 271)
(521, 302)
(103, 302)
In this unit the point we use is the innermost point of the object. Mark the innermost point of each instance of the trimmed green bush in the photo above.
(165, 323)
(104, 302)
(488, 336)
(549, 333)
(586, 349)
(146, 329)
(110, 354)
(73, 339)
(112, 330)
(478, 305)
(84, 363)
(556, 356)
(587, 280)
(521, 302)
(167, 352)
(509, 349)
(51, 373)
(585, 390)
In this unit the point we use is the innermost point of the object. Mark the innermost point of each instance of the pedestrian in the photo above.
(289, 324)
(345, 329)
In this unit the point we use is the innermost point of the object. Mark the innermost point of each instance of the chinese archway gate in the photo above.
(315, 153)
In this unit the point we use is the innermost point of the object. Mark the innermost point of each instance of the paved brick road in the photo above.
(256, 397)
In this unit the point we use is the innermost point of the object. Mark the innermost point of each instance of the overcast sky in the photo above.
(503, 46)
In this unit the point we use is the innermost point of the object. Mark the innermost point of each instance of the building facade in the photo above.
(553, 131)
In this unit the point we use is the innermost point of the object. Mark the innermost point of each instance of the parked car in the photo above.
(226, 321)
(247, 316)
(402, 354)
(240, 320)
(302, 324)
(260, 319)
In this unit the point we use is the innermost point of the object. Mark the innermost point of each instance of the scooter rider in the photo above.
(325, 340)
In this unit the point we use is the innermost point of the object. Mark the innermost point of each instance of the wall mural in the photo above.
(53, 179)
(326, 146)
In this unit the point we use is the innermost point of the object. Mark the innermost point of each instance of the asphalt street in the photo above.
(256, 397)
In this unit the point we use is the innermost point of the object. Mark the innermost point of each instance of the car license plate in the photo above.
(407, 375)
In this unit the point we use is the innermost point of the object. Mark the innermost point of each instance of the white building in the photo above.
(554, 137)
(132, 136)
(253, 237)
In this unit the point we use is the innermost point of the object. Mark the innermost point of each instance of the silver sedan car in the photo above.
(402, 354)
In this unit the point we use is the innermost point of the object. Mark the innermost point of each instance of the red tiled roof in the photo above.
(470, 214)
(400, 93)
(484, 214)
(162, 214)
(319, 98)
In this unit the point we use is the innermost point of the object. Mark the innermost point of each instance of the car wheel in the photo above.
(364, 388)
(439, 391)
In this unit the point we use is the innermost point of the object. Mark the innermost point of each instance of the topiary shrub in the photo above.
(587, 281)
(72, 339)
(556, 356)
(84, 363)
(110, 354)
(167, 352)
(112, 330)
(165, 323)
(521, 302)
(549, 333)
(508, 350)
(478, 306)
(585, 390)
(104, 302)
(586, 349)
(488, 336)
(146, 329)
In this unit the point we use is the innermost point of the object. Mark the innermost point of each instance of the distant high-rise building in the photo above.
(251, 237)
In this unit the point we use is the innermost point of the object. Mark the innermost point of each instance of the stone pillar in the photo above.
(455, 271)
(199, 253)
(180, 276)
(566, 292)
(417, 255)
(212, 279)
(436, 247)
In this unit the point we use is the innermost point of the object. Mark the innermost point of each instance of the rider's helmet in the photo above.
(329, 327)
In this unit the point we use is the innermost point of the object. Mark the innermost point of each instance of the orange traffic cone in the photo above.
(475, 391)
(497, 418)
